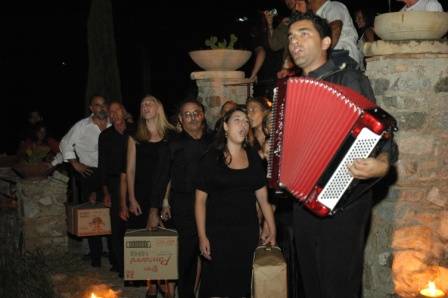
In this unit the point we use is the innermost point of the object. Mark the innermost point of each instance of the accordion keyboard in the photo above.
(341, 179)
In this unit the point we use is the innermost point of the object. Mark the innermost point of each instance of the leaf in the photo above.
(232, 42)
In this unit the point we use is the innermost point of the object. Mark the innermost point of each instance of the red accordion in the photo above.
(318, 129)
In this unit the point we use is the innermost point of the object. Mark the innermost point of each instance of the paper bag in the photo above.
(88, 220)
(150, 254)
(269, 273)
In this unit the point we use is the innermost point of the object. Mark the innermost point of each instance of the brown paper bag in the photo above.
(269, 273)
(150, 254)
(88, 219)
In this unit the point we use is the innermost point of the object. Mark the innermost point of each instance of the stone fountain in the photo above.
(220, 81)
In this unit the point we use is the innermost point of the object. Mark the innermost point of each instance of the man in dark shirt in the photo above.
(186, 149)
(112, 144)
(330, 250)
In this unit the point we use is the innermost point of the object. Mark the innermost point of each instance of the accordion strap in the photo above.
(323, 76)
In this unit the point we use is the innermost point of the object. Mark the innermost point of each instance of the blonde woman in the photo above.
(147, 167)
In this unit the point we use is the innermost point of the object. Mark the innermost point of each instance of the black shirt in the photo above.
(185, 153)
(351, 78)
(112, 147)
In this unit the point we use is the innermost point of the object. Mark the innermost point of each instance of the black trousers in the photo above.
(90, 184)
(118, 225)
(182, 206)
(330, 250)
(285, 240)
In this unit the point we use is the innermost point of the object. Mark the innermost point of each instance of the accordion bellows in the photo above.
(312, 123)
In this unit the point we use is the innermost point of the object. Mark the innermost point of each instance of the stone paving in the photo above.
(73, 277)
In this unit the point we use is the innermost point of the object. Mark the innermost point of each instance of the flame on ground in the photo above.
(102, 291)
(431, 290)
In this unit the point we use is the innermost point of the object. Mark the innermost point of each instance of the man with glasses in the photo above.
(79, 147)
(186, 149)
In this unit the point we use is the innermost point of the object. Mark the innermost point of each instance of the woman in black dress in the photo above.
(146, 166)
(231, 180)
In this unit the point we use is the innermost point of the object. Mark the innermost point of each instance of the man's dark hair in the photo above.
(93, 97)
(193, 101)
(320, 24)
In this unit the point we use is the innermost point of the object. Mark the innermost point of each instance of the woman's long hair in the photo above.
(162, 124)
(263, 103)
(220, 143)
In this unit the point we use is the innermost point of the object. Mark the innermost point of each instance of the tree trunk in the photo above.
(103, 75)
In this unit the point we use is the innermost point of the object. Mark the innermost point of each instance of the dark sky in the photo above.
(43, 56)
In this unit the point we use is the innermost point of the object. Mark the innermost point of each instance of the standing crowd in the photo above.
(210, 185)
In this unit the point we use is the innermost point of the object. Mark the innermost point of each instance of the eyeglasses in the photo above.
(192, 115)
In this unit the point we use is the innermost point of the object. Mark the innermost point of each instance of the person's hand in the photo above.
(204, 247)
(134, 207)
(165, 214)
(283, 73)
(153, 220)
(92, 198)
(107, 200)
(124, 213)
(81, 168)
(252, 79)
(268, 236)
(265, 150)
(368, 168)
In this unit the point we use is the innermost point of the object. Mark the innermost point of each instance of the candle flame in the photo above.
(431, 290)
(94, 296)
(432, 287)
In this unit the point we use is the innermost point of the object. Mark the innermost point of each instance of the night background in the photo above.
(44, 53)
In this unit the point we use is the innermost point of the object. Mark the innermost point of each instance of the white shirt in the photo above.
(333, 11)
(424, 5)
(82, 141)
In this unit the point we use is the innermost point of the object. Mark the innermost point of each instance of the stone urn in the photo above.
(411, 25)
(220, 59)
(32, 170)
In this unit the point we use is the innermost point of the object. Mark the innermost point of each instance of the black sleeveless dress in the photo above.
(147, 170)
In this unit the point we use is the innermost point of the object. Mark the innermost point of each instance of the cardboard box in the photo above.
(88, 220)
(150, 255)
(269, 273)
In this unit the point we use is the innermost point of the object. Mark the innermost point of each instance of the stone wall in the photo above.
(10, 219)
(217, 87)
(407, 245)
(43, 207)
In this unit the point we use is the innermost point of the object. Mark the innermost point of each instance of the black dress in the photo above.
(147, 172)
(231, 224)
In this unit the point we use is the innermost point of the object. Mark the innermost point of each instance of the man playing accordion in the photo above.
(330, 249)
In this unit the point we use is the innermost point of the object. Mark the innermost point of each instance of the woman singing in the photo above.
(231, 180)
(146, 167)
